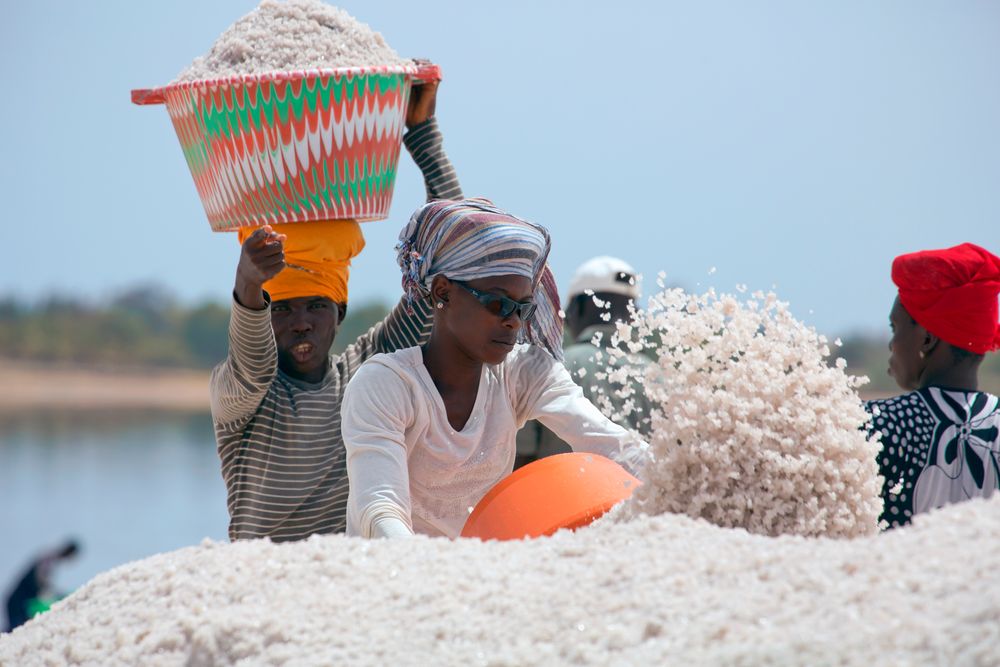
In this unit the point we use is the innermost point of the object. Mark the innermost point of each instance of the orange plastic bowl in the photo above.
(561, 491)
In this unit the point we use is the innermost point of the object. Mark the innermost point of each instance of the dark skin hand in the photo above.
(919, 359)
(466, 336)
(262, 258)
(423, 101)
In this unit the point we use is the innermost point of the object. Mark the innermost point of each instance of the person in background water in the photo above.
(940, 441)
(36, 583)
(276, 398)
(430, 429)
(599, 296)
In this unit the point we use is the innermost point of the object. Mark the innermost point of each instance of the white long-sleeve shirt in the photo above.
(407, 464)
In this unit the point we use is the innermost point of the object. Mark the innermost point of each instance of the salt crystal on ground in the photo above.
(657, 590)
(292, 35)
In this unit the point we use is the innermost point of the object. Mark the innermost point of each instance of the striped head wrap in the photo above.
(472, 238)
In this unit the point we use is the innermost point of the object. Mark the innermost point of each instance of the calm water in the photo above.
(125, 487)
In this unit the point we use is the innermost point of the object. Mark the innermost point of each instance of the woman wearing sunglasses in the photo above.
(430, 429)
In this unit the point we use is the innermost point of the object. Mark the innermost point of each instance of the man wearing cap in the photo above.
(276, 398)
(940, 441)
(599, 296)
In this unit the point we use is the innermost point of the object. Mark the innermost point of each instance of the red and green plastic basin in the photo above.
(292, 146)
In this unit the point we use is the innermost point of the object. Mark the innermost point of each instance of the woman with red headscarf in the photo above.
(940, 441)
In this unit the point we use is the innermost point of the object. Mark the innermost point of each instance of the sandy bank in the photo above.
(36, 386)
(32, 386)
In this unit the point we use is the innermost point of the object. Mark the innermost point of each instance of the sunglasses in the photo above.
(500, 305)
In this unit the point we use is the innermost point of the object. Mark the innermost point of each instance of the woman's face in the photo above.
(908, 338)
(483, 335)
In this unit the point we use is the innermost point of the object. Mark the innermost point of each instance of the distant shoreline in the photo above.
(29, 386)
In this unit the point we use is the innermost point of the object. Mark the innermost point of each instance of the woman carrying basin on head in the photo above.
(430, 429)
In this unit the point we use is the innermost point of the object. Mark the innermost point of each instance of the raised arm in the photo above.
(240, 382)
(425, 143)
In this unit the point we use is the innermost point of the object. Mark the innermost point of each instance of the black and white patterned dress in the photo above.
(939, 446)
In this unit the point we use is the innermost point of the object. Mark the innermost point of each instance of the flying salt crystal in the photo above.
(705, 431)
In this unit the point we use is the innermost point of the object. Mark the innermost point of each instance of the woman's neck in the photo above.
(449, 367)
(954, 377)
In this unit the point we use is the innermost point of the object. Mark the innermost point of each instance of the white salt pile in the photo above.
(653, 591)
(292, 35)
(751, 427)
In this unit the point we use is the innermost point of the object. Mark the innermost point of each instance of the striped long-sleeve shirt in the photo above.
(279, 439)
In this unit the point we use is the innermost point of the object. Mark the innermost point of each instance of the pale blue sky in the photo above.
(796, 144)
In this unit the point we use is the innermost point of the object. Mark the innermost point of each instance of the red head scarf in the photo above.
(953, 294)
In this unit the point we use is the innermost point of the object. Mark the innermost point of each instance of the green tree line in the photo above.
(146, 326)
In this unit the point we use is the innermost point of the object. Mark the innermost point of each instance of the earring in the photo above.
(441, 305)
(922, 355)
